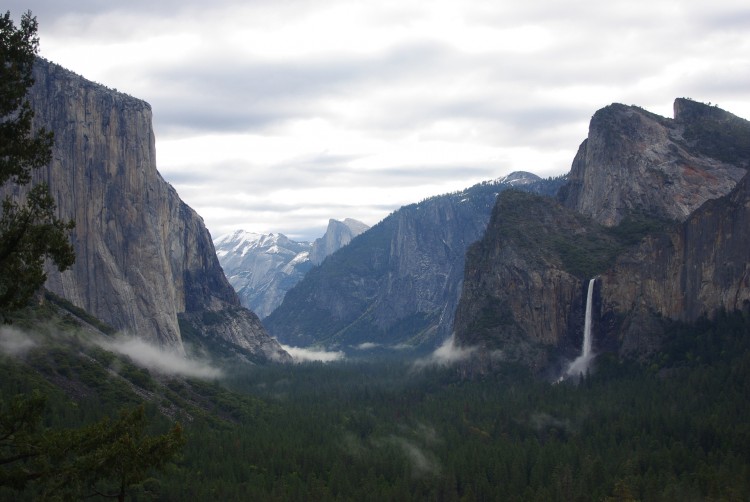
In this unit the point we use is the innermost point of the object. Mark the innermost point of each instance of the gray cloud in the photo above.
(256, 95)
(406, 94)
(51, 10)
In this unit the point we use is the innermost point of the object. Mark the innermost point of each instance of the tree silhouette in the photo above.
(30, 233)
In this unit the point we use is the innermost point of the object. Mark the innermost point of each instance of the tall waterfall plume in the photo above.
(581, 363)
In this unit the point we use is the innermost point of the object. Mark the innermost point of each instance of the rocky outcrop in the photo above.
(634, 161)
(701, 265)
(699, 268)
(397, 283)
(142, 255)
(525, 281)
(338, 234)
(262, 268)
(224, 332)
(668, 250)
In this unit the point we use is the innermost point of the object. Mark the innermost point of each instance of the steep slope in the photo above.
(636, 161)
(338, 234)
(262, 268)
(700, 268)
(660, 253)
(524, 282)
(143, 256)
(396, 283)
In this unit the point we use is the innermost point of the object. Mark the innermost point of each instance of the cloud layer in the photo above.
(158, 359)
(275, 116)
(447, 354)
(14, 342)
(302, 355)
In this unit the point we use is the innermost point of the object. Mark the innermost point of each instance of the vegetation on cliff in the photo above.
(545, 232)
(715, 132)
(71, 427)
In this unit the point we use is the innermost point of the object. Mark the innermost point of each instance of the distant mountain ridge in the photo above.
(263, 267)
(397, 283)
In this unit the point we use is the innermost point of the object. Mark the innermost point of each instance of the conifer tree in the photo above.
(30, 233)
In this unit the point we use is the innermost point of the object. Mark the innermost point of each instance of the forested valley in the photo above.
(670, 428)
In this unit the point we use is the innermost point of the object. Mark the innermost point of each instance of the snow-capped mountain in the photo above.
(263, 267)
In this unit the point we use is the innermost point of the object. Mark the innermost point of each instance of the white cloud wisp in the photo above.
(158, 359)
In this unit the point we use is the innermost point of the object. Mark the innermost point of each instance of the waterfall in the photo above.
(586, 350)
(581, 364)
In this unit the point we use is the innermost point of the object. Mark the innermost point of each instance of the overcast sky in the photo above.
(276, 115)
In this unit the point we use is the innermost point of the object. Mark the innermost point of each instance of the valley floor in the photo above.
(671, 428)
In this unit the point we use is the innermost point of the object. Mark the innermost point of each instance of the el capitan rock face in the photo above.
(142, 255)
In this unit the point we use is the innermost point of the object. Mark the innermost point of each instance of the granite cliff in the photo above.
(338, 234)
(262, 268)
(522, 294)
(697, 269)
(397, 283)
(143, 257)
(636, 161)
(653, 208)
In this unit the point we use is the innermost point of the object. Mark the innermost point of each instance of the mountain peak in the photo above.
(262, 267)
(338, 234)
(636, 161)
(519, 178)
(687, 110)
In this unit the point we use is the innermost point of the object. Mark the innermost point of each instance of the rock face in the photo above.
(524, 286)
(142, 255)
(699, 268)
(635, 161)
(674, 249)
(397, 283)
(262, 268)
(338, 234)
